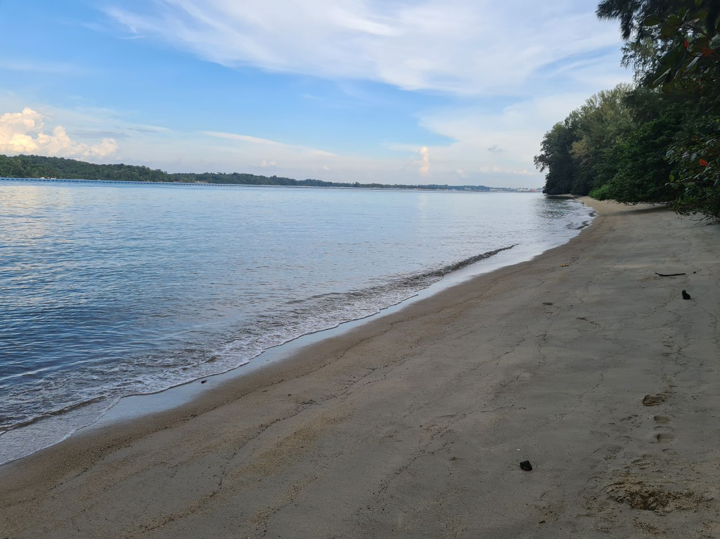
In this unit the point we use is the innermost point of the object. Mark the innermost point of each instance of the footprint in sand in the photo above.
(612, 451)
(664, 433)
(654, 400)
(665, 437)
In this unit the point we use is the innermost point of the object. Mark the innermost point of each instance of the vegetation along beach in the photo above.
(282, 270)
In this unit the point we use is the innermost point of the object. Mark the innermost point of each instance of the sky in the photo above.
(453, 92)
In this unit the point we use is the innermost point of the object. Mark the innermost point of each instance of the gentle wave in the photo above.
(112, 291)
(310, 315)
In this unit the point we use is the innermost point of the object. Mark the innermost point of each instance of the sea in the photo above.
(111, 290)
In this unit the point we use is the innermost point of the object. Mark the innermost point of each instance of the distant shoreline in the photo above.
(460, 189)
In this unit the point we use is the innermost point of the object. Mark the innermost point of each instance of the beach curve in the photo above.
(414, 424)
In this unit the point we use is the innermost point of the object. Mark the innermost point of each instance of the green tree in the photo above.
(659, 141)
(555, 157)
(642, 168)
(601, 121)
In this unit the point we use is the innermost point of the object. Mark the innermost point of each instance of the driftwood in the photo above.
(670, 274)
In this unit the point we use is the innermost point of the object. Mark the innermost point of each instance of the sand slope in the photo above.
(414, 424)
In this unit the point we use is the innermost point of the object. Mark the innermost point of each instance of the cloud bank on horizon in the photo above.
(23, 133)
(453, 91)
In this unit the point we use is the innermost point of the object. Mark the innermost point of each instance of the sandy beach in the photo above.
(583, 361)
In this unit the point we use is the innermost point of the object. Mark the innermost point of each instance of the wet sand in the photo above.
(582, 361)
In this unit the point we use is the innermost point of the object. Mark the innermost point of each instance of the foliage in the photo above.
(666, 39)
(575, 151)
(555, 157)
(642, 169)
(696, 160)
(660, 140)
(601, 121)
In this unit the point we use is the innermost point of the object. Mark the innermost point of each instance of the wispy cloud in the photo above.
(266, 142)
(487, 79)
(274, 153)
(148, 128)
(97, 133)
(454, 46)
(242, 138)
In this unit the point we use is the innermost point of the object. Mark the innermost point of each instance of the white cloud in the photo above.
(455, 46)
(516, 129)
(494, 147)
(557, 52)
(24, 133)
(545, 58)
(424, 160)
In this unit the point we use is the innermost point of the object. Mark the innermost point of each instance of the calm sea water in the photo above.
(112, 290)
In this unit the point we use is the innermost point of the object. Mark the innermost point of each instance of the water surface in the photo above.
(112, 290)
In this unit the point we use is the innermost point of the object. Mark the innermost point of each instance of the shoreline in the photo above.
(414, 422)
(470, 188)
(86, 417)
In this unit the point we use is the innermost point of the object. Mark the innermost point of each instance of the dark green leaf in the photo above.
(668, 30)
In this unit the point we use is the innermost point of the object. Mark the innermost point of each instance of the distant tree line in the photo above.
(659, 139)
(35, 166)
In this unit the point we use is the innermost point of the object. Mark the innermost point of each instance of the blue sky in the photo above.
(453, 91)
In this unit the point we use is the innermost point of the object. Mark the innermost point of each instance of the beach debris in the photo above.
(564, 265)
(670, 274)
(526, 466)
(685, 295)
(547, 302)
(203, 381)
(654, 400)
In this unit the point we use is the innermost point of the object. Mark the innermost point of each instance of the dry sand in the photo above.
(414, 424)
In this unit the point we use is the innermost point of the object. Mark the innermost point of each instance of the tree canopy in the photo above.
(659, 139)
